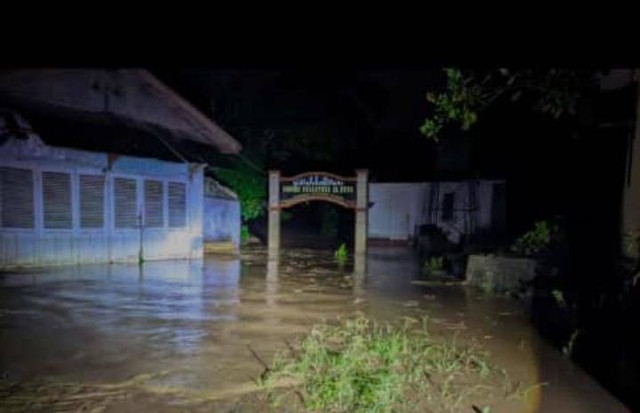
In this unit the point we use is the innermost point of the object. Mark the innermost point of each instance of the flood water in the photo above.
(178, 336)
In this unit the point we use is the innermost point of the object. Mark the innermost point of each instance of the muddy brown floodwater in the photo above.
(175, 336)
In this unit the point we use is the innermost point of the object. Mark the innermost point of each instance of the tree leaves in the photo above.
(552, 91)
(250, 185)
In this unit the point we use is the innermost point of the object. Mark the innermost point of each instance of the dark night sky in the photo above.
(370, 118)
(366, 118)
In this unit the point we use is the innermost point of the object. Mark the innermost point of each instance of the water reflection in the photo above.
(271, 284)
(358, 277)
(195, 322)
(112, 318)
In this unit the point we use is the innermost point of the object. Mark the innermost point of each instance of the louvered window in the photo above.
(177, 205)
(153, 204)
(92, 201)
(16, 198)
(126, 203)
(56, 198)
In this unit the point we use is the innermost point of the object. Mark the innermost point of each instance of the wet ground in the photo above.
(178, 336)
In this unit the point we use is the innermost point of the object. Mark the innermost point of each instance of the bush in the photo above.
(250, 186)
(435, 266)
(538, 240)
(244, 233)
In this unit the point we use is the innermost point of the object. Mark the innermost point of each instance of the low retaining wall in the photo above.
(500, 274)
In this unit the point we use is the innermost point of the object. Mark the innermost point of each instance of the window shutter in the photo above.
(56, 198)
(153, 204)
(177, 205)
(16, 198)
(126, 203)
(92, 201)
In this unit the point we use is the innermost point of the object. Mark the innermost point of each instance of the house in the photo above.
(460, 209)
(103, 166)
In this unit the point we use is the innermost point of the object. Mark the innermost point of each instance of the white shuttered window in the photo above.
(126, 202)
(92, 201)
(177, 205)
(16, 198)
(56, 198)
(153, 204)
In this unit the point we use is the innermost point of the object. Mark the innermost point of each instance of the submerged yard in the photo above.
(248, 335)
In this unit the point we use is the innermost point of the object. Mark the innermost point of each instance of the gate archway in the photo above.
(347, 192)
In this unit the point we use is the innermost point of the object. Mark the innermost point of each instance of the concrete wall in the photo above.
(500, 274)
(41, 246)
(399, 207)
(222, 221)
(396, 210)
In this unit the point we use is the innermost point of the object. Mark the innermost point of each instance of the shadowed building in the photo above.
(459, 210)
(133, 186)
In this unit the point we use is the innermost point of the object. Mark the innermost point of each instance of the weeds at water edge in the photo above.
(362, 366)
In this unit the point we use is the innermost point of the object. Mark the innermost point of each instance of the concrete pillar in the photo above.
(274, 214)
(362, 208)
(631, 195)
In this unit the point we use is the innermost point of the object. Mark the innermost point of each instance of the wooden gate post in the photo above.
(362, 207)
(274, 213)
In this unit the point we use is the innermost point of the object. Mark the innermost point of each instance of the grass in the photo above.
(359, 366)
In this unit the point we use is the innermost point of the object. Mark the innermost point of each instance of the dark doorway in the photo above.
(321, 225)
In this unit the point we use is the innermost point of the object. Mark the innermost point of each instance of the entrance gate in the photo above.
(348, 192)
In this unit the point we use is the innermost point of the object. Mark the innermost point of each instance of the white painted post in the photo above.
(359, 275)
(274, 214)
(271, 290)
(362, 210)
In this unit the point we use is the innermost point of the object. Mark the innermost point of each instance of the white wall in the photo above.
(222, 220)
(396, 209)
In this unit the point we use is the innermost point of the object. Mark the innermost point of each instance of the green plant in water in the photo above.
(360, 366)
(435, 266)
(342, 253)
(244, 233)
